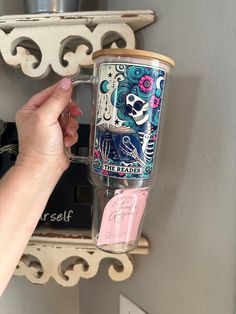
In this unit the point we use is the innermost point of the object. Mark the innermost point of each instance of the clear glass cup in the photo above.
(127, 104)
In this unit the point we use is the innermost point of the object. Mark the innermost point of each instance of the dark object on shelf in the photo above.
(70, 203)
(51, 6)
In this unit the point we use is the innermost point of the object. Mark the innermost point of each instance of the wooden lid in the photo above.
(133, 53)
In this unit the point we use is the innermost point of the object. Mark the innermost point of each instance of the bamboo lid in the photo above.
(133, 53)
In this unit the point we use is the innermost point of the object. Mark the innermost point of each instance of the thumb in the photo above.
(58, 101)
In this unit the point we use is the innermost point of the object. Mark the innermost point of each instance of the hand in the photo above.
(41, 136)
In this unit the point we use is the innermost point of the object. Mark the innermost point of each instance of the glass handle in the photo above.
(81, 79)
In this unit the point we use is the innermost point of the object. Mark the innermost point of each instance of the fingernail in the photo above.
(70, 133)
(75, 111)
(65, 84)
(79, 110)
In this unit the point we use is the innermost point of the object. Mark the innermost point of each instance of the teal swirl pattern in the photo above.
(134, 82)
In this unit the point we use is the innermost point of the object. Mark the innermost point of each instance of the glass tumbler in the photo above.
(128, 91)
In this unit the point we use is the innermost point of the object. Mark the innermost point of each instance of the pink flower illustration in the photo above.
(146, 83)
(121, 174)
(154, 102)
(154, 138)
(104, 172)
(96, 154)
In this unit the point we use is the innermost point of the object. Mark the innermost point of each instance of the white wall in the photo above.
(191, 220)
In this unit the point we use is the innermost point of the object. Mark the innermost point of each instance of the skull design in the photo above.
(137, 108)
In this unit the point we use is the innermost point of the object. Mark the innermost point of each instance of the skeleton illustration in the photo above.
(128, 110)
(158, 82)
(129, 149)
(147, 145)
(137, 109)
(105, 148)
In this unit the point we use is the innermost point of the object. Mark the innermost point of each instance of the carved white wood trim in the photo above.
(68, 256)
(51, 34)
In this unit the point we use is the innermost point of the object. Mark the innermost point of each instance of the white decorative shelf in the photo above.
(68, 256)
(65, 42)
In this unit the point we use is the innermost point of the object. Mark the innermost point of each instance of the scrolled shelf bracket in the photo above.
(64, 43)
(69, 256)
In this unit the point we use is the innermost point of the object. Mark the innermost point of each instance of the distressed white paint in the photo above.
(66, 256)
(137, 19)
(52, 34)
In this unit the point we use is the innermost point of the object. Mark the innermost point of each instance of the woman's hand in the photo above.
(26, 187)
(41, 136)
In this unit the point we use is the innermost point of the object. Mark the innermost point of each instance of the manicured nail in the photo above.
(65, 84)
(70, 133)
(75, 111)
(79, 111)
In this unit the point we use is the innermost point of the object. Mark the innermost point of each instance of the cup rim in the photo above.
(125, 52)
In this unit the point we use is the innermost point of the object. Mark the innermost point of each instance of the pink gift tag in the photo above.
(122, 216)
